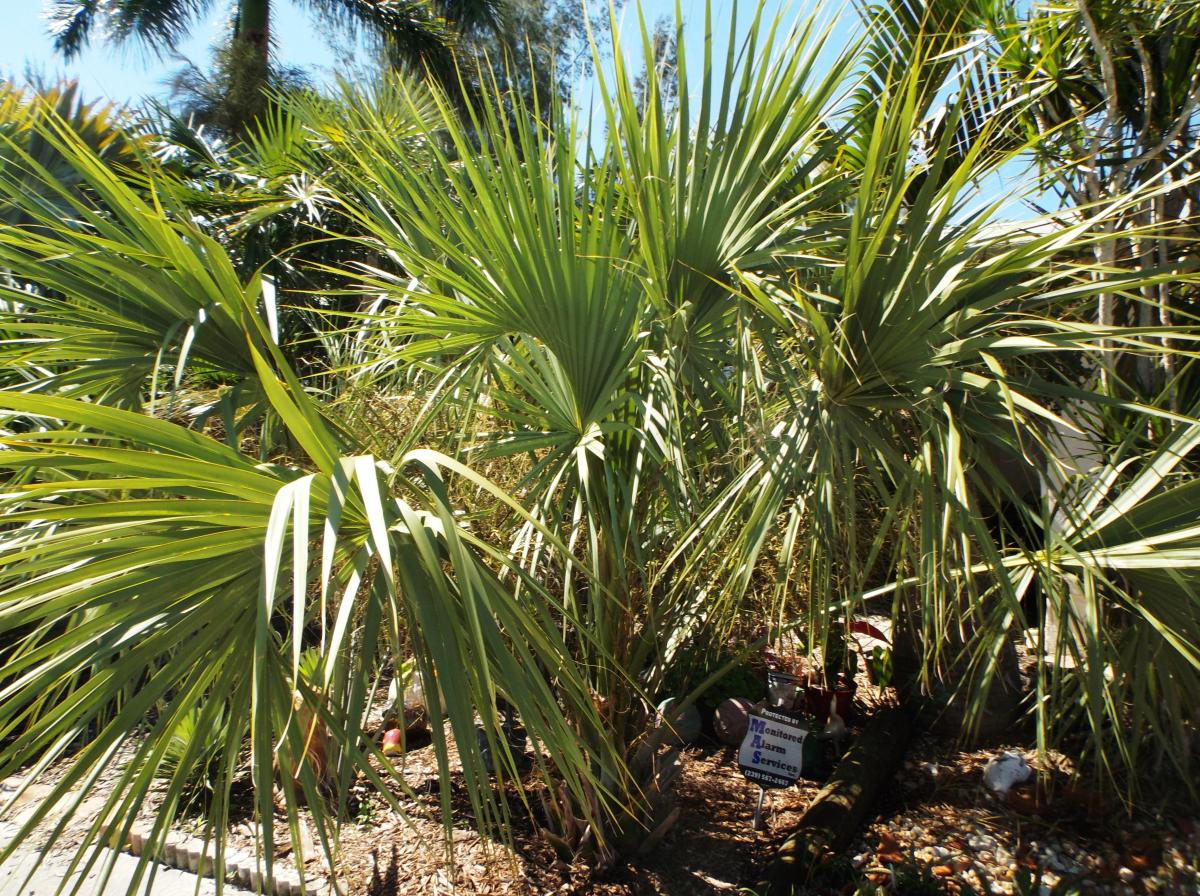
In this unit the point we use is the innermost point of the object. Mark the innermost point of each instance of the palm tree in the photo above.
(162, 24)
(415, 31)
(609, 394)
(1117, 107)
(24, 110)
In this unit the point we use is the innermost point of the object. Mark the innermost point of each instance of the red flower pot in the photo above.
(817, 701)
(843, 699)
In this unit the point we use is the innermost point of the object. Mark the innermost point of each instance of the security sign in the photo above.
(771, 752)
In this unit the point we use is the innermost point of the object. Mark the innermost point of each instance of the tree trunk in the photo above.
(839, 810)
(246, 67)
(254, 26)
(1106, 255)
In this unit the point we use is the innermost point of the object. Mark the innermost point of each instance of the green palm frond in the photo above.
(178, 566)
(26, 118)
(158, 23)
(121, 294)
(584, 396)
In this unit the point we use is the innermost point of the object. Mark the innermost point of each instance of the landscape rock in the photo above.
(1005, 771)
(684, 724)
(731, 720)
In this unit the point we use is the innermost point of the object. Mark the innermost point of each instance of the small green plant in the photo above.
(912, 880)
(838, 658)
(196, 747)
(879, 665)
(739, 680)
(365, 814)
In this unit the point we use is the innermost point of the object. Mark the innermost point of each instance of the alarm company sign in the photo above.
(771, 752)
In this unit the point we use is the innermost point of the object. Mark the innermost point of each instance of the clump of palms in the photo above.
(685, 342)
(24, 114)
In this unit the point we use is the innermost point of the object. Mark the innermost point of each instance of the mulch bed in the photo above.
(937, 830)
(939, 821)
(712, 849)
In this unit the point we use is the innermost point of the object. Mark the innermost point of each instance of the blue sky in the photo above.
(127, 73)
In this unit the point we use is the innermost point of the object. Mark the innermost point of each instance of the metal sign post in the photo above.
(758, 822)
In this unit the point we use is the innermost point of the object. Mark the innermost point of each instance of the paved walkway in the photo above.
(48, 878)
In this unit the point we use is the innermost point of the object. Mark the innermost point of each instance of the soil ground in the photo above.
(937, 829)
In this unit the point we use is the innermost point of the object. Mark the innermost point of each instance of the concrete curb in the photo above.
(30, 873)
(187, 853)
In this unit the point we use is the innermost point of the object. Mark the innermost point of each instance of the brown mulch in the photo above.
(712, 848)
(937, 824)
(937, 830)
(1053, 834)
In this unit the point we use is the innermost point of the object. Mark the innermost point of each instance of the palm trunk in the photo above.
(249, 65)
(1169, 366)
(1106, 254)
(254, 26)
